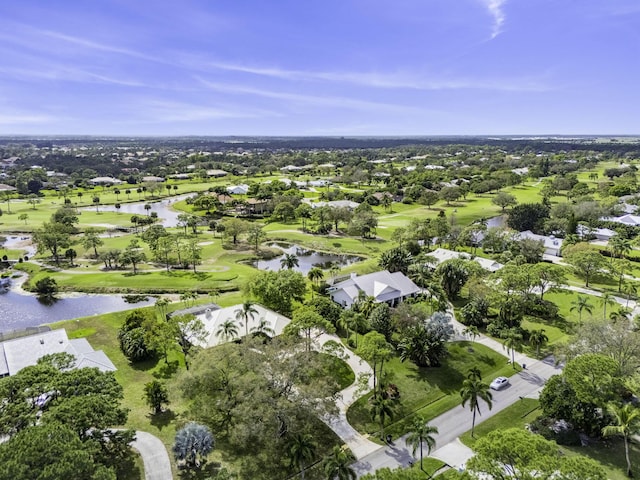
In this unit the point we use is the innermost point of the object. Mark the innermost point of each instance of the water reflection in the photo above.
(307, 259)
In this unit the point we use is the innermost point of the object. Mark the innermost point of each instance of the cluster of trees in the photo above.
(58, 422)
(144, 335)
(262, 401)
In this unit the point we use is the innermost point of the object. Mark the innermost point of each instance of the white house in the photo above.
(552, 245)
(628, 219)
(241, 189)
(602, 234)
(212, 316)
(442, 254)
(105, 181)
(336, 204)
(22, 352)
(383, 286)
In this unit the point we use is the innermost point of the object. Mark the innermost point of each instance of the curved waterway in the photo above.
(20, 310)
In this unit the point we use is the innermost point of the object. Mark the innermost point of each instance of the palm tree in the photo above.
(619, 246)
(263, 328)
(191, 441)
(381, 408)
(622, 314)
(473, 390)
(301, 451)
(581, 303)
(246, 312)
(472, 332)
(365, 303)
(512, 339)
(537, 338)
(474, 373)
(227, 330)
(606, 300)
(315, 275)
(338, 465)
(421, 433)
(629, 289)
(289, 261)
(626, 420)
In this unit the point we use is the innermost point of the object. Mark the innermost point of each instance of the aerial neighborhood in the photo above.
(280, 309)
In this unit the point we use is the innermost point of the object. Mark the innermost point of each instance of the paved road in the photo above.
(154, 456)
(457, 421)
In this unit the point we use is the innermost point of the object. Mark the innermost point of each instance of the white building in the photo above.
(105, 181)
(383, 286)
(22, 352)
(552, 245)
(241, 189)
(628, 219)
(336, 204)
(213, 317)
(442, 255)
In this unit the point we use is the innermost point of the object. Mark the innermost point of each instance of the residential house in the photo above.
(552, 244)
(442, 255)
(391, 288)
(241, 189)
(336, 204)
(105, 181)
(212, 316)
(22, 352)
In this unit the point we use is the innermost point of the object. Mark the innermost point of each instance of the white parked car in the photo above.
(499, 383)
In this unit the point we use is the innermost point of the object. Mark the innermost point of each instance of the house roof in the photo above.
(106, 180)
(214, 316)
(22, 352)
(381, 285)
(336, 204)
(549, 241)
(442, 255)
(628, 219)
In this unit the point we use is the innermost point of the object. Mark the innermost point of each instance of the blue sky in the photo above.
(320, 67)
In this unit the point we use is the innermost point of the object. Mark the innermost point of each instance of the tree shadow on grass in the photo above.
(144, 365)
(206, 471)
(445, 378)
(161, 420)
(167, 370)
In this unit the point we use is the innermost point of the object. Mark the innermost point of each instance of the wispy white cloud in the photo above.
(495, 8)
(297, 99)
(19, 118)
(401, 80)
(165, 111)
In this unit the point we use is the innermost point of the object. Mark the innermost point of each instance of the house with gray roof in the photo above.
(442, 255)
(23, 352)
(552, 244)
(383, 286)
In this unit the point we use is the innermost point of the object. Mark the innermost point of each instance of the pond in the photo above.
(167, 215)
(307, 259)
(19, 310)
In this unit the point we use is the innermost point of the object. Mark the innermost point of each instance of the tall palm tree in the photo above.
(474, 373)
(579, 304)
(474, 390)
(626, 420)
(421, 433)
(365, 303)
(606, 300)
(338, 465)
(227, 330)
(246, 313)
(382, 409)
(315, 275)
(512, 339)
(289, 261)
(301, 451)
(629, 289)
(537, 338)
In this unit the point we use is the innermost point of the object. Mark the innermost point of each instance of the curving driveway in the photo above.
(157, 465)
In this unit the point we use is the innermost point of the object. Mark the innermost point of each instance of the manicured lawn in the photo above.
(609, 453)
(518, 415)
(429, 391)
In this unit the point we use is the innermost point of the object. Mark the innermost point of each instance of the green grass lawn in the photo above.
(609, 453)
(429, 391)
(518, 415)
